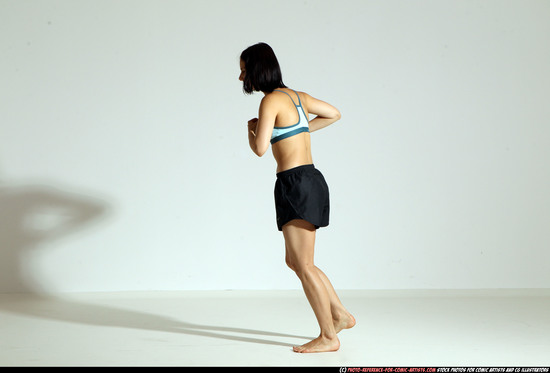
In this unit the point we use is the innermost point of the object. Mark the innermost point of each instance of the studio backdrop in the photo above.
(124, 159)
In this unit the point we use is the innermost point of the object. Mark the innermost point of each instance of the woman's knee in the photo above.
(304, 270)
(298, 267)
(290, 263)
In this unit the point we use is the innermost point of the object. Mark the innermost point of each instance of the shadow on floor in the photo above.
(66, 310)
(34, 215)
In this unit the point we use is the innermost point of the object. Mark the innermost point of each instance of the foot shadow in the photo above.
(34, 215)
(70, 311)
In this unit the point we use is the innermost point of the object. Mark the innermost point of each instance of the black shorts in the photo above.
(302, 193)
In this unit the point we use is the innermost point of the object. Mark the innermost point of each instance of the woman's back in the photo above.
(281, 107)
(290, 150)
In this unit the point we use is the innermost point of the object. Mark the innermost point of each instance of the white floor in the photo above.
(258, 328)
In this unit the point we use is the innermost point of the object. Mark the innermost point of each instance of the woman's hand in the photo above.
(252, 125)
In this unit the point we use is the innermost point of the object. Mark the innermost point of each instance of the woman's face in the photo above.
(243, 72)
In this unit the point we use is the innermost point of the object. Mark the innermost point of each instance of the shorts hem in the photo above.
(280, 226)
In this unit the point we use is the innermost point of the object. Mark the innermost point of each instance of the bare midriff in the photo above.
(292, 152)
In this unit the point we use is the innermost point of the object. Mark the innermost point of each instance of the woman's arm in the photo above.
(252, 125)
(260, 129)
(326, 113)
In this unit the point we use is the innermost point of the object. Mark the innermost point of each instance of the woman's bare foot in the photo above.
(319, 344)
(344, 321)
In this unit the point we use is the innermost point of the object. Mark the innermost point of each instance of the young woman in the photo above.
(301, 193)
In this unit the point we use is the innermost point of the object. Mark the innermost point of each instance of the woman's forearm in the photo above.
(252, 140)
(319, 122)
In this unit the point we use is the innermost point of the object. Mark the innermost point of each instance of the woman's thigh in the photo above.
(300, 243)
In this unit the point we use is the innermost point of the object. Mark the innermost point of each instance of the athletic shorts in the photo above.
(302, 193)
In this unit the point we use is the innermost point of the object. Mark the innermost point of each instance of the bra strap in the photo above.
(297, 95)
(278, 90)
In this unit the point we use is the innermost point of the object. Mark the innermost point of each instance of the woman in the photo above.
(301, 193)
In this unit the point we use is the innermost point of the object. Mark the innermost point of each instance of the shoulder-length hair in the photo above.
(263, 72)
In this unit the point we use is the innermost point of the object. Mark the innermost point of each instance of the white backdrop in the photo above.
(124, 161)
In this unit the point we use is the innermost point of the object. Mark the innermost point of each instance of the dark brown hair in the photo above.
(263, 72)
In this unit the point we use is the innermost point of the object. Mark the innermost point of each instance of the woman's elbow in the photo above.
(261, 149)
(260, 153)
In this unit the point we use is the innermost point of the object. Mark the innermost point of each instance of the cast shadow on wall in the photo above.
(35, 216)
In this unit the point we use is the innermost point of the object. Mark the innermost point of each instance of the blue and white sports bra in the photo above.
(280, 133)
